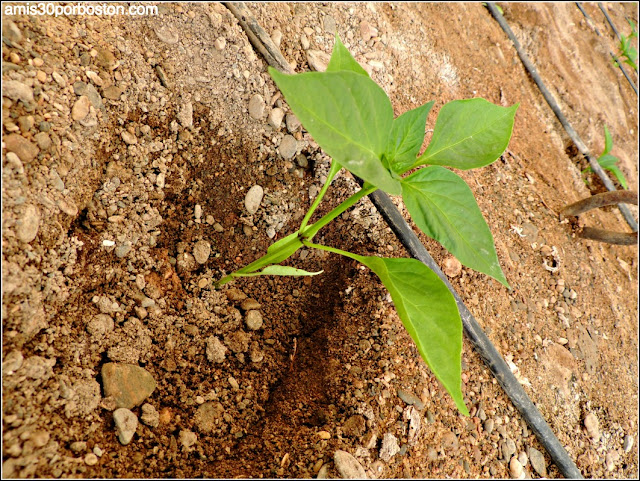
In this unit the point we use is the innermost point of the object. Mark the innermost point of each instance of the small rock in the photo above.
(105, 59)
(78, 446)
(329, 24)
(235, 294)
(126, 424)
(129, 385)
(150, 415)
(40, 438)
(276, 37)
(516, 468)
(28, 224)
(275, 117)
(452, 267)
(91, 459)
(611, 459)
(81, 108)
(216, 351)
(112, 92)
(592, 426)
(220, 43)
(348, 466)
(538, 462)
(18, 91)
(123, 249)
(43, 140)
(23, 148)
(292, 123)
(410, 399)
(288, 146)
(185, 262)
(167, 34)
(389, 447)
(318, 60)
(256, 107)
(100, 325)
(129, 138)
(13, 361)
(187, 438)
(450, 441)
(367, 31)
(627, 444)
(523, 458)
(185, 115)
(207, 416)
(508, 448)
(253, 199)
(201, 251)
(354, 426)
(254, 320)
(249, 304)
(11, 31)
(302, 160)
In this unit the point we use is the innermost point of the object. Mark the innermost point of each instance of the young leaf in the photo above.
(279, 271)
(469, 133)
(283, 249)
(443, 207)
(341, 59)
(619, 175)
(348, 115)
(405, 140)
(608, 142)
(430, 315)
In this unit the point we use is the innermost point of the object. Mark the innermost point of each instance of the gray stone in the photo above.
(288, 146)
(411, 399)
(348, 466)
(126, 424)
(18, 91)
(256, 107)
(201, 251)
(275, 117)
(28, 224)
(11, 31)
(254, 320)
(123, 249)
(127, 384)
(253, 199)
(216, 350)
(292, 123)
(389, 447)
(150, 415)
(537, 461)
(43, 140)
(508, 448)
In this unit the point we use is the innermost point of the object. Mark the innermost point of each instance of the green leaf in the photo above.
(608, 142)
(283, 249)
(619, 175)
(341, 59)
(348, 115)
(405, 140)
(469, 133)
(279, 271)
(429, 313)
(443, 207)
(607, 161)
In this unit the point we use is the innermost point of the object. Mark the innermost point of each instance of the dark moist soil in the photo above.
(327, 369)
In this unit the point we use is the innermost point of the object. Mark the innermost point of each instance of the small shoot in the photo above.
(608, 161)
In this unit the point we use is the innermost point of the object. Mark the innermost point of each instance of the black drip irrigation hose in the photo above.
(475, 334)
(615, 59)
(575, 138)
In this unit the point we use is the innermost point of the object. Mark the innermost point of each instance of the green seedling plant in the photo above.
(351, 118)
(608, 161)
(627, 50)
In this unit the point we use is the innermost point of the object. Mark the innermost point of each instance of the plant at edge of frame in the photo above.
(351, 118)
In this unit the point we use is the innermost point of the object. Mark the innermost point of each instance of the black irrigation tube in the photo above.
(595, 166)
(475, 334)
(624, 72)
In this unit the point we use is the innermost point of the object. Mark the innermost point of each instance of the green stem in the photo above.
(330, 249)
(313, 229)
(333, 170)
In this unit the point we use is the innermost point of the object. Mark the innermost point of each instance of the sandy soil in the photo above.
(129, 145)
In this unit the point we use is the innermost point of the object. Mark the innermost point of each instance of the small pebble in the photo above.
(324, 435)
(129, 138)
(410, 399)
(318, 60)
(81, 108)
(256, 107)
(367, 32)
(253, 320)
(126, 424)
(249, 304)
(522, 457)
(220, 43)
(18, 91)
(488, 426)
(13, 361)
(216, 351)
(129, 385)
(276, 37)
(516, 468)
(537, 462)
(450, 441)
(627, 444)
(389, 447)
(253, 199)
(275, 117)
(28, 224)
(592, 426)
(201, 251)
(187, 438)
(150, 415)
(611, 459)
(292, 123)
(348, 466)
(23, 148)
(288, 146)
(91, 459)
(452, 267)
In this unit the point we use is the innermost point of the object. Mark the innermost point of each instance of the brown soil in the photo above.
(324, 370)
